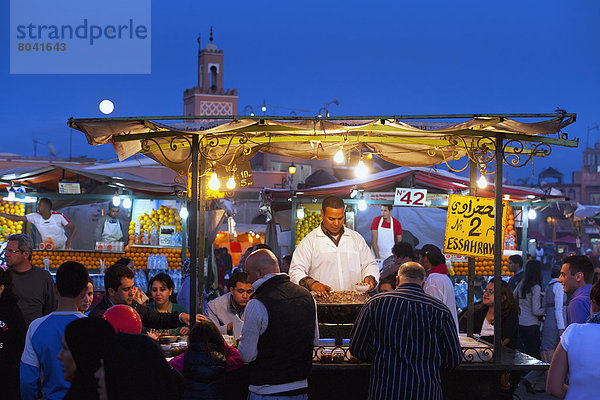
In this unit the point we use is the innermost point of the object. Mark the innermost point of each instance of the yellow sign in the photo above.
(470, 226)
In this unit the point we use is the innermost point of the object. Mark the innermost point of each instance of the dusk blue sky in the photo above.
(376, 58)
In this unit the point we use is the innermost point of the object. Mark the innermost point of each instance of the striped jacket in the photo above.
(409, 337)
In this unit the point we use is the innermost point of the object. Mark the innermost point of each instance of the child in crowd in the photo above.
(205, 363)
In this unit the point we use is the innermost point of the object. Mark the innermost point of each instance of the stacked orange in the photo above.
(8, 227)
(510, 230)
(162, 216)
(483, 267)
(88, 258)
(91, 259)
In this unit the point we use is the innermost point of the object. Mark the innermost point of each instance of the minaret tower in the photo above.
(209, 97)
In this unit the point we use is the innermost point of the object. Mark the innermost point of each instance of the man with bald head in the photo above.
(279, 333)
(409, 336)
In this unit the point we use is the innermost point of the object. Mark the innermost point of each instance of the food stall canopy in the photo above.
(48, 176)
(584, 211)
(429, 178)
(225, 141)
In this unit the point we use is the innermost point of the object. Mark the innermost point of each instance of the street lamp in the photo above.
(249, 110)
(334, 101)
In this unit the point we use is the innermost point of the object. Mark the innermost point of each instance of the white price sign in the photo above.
(410, 197)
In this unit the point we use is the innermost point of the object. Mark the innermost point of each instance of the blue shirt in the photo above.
(578, 310)
(42, 344)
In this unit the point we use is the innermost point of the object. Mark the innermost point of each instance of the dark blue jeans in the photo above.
(530, 340)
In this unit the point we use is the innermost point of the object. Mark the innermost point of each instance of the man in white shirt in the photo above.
(50, 224)
(279, 333)
(333, 257)
(437, 283)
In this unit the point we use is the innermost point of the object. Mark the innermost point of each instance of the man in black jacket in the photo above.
(279, 332)
(118, 282)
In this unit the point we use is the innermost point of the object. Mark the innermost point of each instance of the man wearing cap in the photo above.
(437, 283)
(333, 257)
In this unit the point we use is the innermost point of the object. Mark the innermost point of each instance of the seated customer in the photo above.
(161, 288)
(133, 367)
(401, 252)
(205, 363)
(387, 284)
(483, 317)
(222, 310)
(118, 281)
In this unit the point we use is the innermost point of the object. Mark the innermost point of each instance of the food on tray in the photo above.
(343, 297)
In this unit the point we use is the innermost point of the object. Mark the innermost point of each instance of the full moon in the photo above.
(106, 106)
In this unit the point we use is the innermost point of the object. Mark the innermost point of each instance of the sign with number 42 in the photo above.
(410, 197)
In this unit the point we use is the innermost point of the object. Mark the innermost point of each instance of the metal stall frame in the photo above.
(489, 141)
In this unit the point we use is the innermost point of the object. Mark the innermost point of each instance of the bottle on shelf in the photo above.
(154, 235)
(146, 238)
(138, 228)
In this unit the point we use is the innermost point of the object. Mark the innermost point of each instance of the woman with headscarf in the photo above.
(84, 343)
(135, 368)
(12, 337)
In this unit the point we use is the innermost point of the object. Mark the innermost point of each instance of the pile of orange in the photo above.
(139, 255)
(483, 266)
(91, 259)
(8, 227)
(510, 230)
(162, 216)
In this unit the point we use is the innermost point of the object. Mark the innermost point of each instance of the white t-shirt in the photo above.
(440, 287)
(53, 227)
(339, 267)
(580, 341)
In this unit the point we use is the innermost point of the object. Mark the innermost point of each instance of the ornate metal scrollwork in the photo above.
(181, 179)
(173, 146)
(213, 150)
(514, 158)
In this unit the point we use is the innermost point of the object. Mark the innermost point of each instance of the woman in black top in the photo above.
(484, 314)
(12, 337)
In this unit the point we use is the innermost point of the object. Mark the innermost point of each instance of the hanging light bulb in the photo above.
(482, 182)
(362, 205)
(116, 201)
(183, 213)
(292, 168)
(531, 214)
(361, 170)
(213, 183)
(339, 156)
(11, 195)
(126, 202)
(300, 213)
(230, 183)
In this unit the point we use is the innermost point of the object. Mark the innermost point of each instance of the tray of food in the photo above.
(341, 307)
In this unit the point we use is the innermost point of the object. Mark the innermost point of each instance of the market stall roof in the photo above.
(49, 175)
(224, 140)
(429, 178)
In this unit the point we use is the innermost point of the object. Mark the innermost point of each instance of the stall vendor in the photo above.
(333, 257)
(110, 227)
(50, 224)
(386, 231)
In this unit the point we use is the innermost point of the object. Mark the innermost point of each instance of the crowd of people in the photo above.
(56, 344)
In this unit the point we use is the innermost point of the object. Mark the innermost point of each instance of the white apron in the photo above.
(385, 239)
(112, 231)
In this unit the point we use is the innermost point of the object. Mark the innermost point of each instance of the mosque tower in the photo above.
(209, 97)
